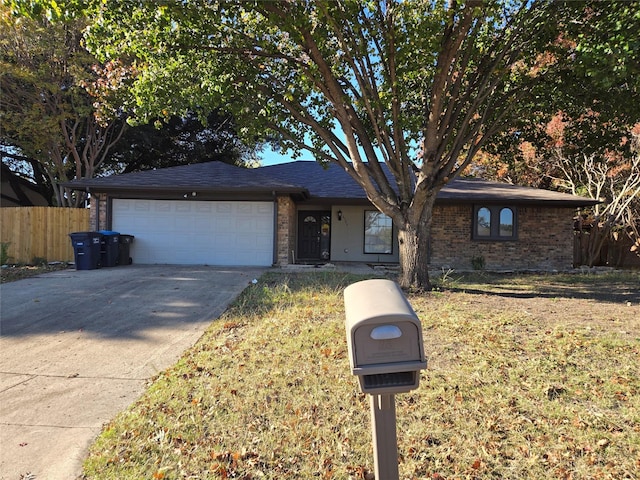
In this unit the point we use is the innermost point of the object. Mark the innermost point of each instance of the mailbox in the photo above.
(384, 337)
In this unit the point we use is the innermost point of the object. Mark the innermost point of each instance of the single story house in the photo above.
(301, 212)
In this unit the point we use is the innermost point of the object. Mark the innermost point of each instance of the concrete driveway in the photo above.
(77, 347)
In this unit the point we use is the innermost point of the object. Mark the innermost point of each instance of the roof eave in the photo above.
(178, 189)
(571, 203)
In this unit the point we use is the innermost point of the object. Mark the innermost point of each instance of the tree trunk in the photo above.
(413, 242)
(598, 237)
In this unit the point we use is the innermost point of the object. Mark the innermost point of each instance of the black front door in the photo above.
(314, 235)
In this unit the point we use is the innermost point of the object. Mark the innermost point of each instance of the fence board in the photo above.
(41, 232)
(613, 253)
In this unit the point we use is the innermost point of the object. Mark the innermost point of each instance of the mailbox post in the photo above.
(386, 352)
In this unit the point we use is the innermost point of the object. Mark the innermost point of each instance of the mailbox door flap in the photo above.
(403, 348)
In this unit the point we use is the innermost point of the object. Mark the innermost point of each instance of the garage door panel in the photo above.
(203, 207)
(184, 223)
(263, 224)
(196, 232)
(245, 226)
(245, 209)
(247, 243)
(224, 224)
(142, 206)
(265, 209)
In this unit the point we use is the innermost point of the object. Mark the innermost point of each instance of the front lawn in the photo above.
(532, 377)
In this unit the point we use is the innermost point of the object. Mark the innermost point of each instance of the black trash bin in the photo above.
(86, 249)
(109, 248)
(124, 257)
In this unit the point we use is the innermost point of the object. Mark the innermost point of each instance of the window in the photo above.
(378, 232)
(494, 223)
(506, 222)
(483, 222)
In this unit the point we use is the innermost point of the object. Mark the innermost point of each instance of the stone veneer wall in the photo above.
(285, 234)
(98, 200)
(545, 240)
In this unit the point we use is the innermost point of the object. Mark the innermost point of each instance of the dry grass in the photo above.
(524, 382)
(13, 273)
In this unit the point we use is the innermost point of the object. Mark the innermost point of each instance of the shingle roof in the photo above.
(331, 182)
(475, 190)
(208, 176)
(327, 182)
(309, 179)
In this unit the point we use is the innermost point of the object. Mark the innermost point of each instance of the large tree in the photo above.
(401, 95)
(586, 109)
(53, 127)
(47, 116)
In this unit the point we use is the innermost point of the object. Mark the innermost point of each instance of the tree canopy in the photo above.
(180, 141)
(47, 115)
(417, 86)
(53, 128)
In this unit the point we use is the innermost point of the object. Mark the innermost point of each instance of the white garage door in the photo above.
(186, 232)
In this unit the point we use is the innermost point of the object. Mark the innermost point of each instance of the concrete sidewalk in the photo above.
(77, 347)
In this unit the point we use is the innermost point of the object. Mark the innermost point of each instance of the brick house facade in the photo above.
(283, 198)
(545, 240)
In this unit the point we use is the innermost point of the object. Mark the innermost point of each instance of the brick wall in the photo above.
(545, 240)
(97, 204)
(286, 230)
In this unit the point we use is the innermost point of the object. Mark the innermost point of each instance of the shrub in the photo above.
(4, 252)
(477, 263)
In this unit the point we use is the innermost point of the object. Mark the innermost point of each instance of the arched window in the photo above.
(506, 222)
(494, 222)
(483, 222)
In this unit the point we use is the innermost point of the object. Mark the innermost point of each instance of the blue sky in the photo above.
(269, 157)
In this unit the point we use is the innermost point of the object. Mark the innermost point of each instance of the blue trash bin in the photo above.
(109, 246)
(86, 249)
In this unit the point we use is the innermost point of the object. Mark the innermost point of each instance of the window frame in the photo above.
(495, 212)
(364, 233)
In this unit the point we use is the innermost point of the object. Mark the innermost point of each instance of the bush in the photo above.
(4, 253)
(39, 261)
(477, 263)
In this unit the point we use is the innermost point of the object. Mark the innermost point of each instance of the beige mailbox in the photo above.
(384, 337)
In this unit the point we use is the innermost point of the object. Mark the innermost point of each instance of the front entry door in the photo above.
(314, 235)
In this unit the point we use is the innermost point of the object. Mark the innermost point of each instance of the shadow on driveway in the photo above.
(76, 347)
(117, 302)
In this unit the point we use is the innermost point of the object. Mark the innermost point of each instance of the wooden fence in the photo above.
(613, 253)
(35, 233)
